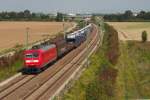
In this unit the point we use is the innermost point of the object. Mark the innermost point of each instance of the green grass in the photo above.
(134, 71)
(9, 71)
(78, 91)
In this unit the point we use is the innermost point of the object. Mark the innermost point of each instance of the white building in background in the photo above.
(71, 15)
(135, 14)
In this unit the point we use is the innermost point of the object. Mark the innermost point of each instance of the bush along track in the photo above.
(98, 81)
(11, 64)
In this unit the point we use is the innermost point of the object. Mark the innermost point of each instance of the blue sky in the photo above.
(75, 6)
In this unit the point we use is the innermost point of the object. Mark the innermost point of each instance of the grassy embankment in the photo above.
(9, 71)
(110, 79)
(98, 81)
(133, 80)
(11, 65)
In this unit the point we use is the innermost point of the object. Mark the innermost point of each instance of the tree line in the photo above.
(27, 15)
(128, 16)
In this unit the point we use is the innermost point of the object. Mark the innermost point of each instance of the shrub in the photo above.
(112, 41)
(144, 36)
(103, 87)
(8, 61)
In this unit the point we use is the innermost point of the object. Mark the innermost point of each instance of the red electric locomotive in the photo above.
(36, 58)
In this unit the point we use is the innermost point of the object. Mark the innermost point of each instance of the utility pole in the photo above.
(100, 21)
(87, 51)
(27, 37)
(64, 30)
(103, 28)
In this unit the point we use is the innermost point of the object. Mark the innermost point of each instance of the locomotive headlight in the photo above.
(28, 61)
(35, 60)
(31, 61)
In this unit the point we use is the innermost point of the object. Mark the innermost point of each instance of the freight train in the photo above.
(36, 58)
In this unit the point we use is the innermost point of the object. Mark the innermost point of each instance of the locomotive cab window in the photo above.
(28, 56)
(35, 55)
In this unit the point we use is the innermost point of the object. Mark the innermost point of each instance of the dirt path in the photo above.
(125, 36)
(122, 36)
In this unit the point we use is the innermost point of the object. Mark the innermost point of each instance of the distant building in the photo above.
(71, 15)
(135, 14)
(85, 15)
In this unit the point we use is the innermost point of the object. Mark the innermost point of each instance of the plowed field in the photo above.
(12, 33)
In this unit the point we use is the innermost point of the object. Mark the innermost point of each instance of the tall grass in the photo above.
(133, 80)
(9, 71)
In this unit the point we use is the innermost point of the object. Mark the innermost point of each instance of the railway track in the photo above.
(45, 84)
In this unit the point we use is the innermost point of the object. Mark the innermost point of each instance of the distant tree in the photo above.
(141, 14)
(81, 24)
(128, 14)
(20, 15)
(4, 15)
(144, 36)
(33, 15)
(147, 16)
(59, 17)
(12, 15)
(44, 17)
(27, 14)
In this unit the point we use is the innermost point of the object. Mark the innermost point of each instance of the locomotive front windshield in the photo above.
(33, 55)
(28, 56)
